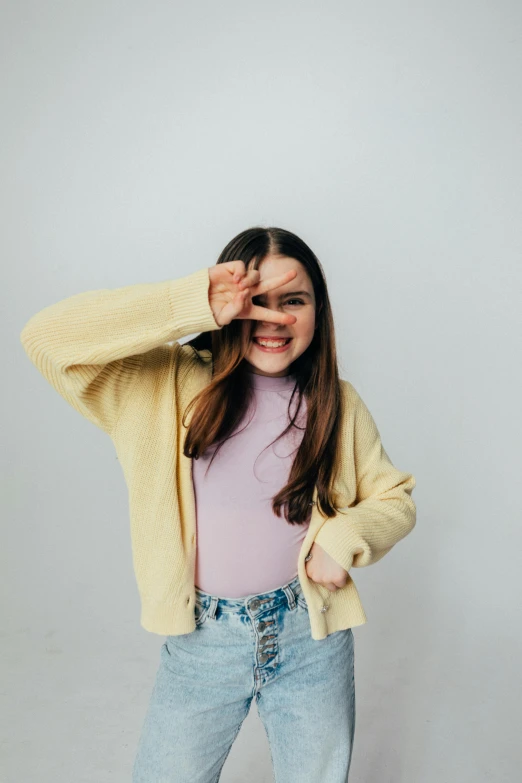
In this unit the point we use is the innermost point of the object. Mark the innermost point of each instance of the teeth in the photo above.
(271, 343)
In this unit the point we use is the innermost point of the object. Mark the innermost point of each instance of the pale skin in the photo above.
(232, 287)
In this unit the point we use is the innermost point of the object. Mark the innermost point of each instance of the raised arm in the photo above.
(88, 346)
(384, 511)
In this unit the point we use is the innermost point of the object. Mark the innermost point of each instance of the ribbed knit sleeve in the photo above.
(384, 511)
(88, 346)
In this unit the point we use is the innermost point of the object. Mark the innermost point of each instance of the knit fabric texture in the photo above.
(114, 356)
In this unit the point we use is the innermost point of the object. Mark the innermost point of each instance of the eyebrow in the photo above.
(291, 293)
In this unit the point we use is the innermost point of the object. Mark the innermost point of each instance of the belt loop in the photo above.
(212, 607)
(290, 596)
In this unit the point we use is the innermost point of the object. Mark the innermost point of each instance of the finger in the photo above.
(236, 269)
(251, 278)
(239, 300)
(331, 587)
(234, 308)
(276, 282)
(259, 313)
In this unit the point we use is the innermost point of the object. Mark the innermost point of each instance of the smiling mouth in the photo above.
(272, 341)
(272, 345)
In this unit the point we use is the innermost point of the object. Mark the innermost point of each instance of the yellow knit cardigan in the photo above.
(107, 353)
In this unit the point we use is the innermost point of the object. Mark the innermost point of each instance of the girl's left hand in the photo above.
(324, 570)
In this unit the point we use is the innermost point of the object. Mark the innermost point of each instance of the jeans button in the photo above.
(262, 625)
(254, 604)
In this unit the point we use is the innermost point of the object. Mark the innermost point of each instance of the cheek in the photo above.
(304, 329)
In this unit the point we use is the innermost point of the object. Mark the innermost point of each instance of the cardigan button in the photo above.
(324, 608)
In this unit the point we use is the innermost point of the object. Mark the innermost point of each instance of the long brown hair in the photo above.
(223, 403)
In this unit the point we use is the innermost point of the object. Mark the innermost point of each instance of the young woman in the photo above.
(245, 439)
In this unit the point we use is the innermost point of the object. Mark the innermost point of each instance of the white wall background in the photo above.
(137, 139)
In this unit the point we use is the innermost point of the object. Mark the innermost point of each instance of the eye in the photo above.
(260, 300)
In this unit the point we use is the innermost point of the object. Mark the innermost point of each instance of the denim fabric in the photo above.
(244, 648)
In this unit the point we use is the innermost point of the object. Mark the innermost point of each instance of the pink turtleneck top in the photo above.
(242, 547)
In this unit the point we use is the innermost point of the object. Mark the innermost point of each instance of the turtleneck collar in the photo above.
(272, 382)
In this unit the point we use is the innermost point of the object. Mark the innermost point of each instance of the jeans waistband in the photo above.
(254, 603)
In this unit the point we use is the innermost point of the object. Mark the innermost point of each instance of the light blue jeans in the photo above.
(259, 646)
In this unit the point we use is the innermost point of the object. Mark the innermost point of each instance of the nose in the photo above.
(271, 326)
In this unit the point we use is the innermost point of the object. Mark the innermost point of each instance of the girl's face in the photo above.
(296, 297)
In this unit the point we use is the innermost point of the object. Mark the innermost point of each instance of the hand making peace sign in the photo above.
(232, 288)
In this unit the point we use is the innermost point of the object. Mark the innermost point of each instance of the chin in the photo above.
(270, 369)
